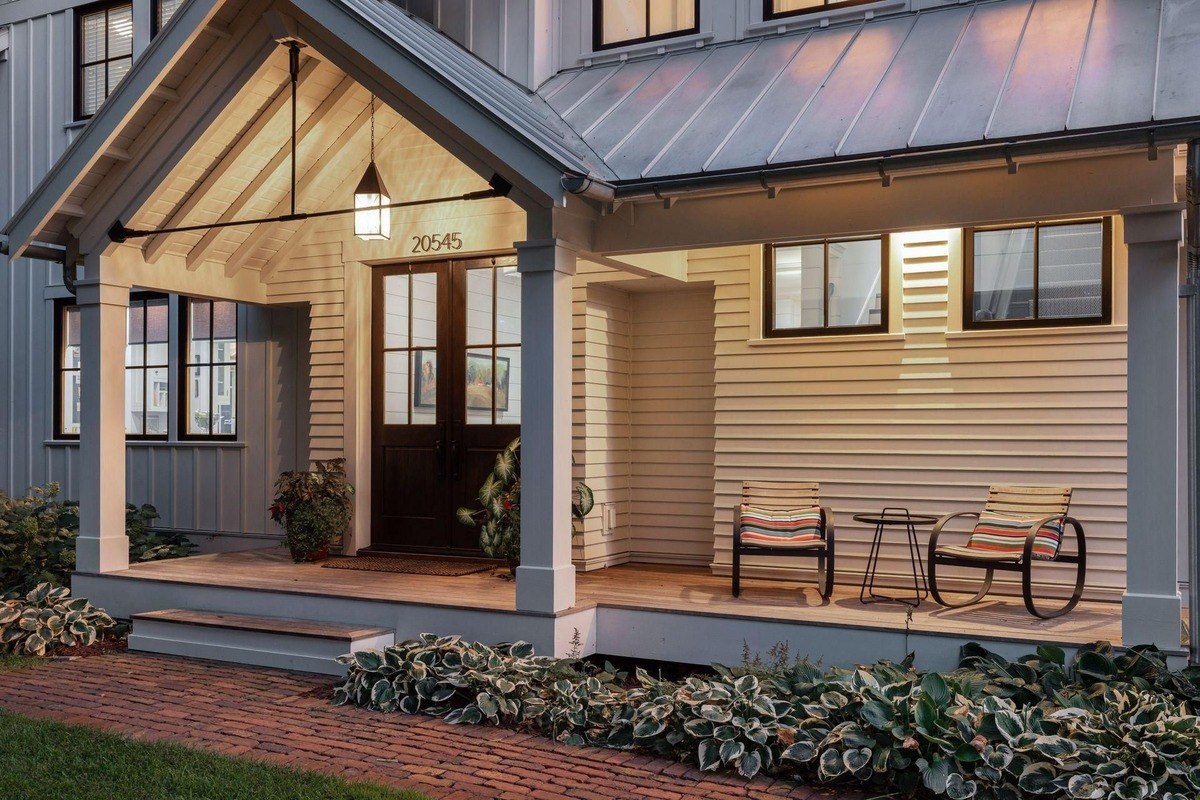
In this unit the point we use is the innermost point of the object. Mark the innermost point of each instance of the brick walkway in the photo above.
(286, 718)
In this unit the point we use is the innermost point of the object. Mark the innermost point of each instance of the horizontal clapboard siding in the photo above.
(927, 420)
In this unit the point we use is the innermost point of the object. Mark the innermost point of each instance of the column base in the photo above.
(98, 554)
(1155, 619)
(545, 589)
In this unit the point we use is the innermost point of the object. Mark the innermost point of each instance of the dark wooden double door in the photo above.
(446, 397)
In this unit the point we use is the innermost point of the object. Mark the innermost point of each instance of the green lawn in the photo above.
(42, 760)
(9, 662)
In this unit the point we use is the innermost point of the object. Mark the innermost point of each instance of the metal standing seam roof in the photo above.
(523, 111)
(949, 76)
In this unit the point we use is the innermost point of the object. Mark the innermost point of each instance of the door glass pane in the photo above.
(508, 305)
(479, 385)
(1003, 274)
(70, 403)
(507, 391)
(479, 306)
(395, 388)
(1070, 271)
(424, 310)
(198, 399)
(224, 400)
(425, 375)
(799, 283)
(395, 311)
(157, 401)
(135, 400)
(855, 278)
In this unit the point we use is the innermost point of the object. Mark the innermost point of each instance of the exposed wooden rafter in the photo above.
(277, 107)
(329, 108)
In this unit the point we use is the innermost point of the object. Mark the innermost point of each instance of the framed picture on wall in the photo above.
(425, 379)
(482, 383)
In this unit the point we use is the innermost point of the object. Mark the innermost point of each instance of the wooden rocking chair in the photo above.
(1018, 525)
(783, 519)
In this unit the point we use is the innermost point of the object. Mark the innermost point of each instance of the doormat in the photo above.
(413, 565)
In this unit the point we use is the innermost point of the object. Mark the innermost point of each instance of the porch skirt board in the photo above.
(413, 565)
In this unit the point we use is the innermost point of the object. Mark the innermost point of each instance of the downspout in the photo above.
(1191, 290)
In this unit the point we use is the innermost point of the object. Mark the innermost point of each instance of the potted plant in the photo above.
(499, 512)
(313, 506)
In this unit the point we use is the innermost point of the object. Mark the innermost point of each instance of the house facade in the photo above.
(908, 249)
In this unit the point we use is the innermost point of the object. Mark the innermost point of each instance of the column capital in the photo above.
(546, 255)
(1156, 223)
(102, 291)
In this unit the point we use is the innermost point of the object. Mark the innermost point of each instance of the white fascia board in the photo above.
(94, 140)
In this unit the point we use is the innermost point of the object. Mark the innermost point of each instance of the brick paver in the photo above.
(286, 718)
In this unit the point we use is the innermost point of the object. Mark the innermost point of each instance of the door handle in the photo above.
(439, 459)
(455, 472)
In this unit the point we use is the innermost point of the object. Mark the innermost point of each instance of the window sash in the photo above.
(771, 8)
(599, 42)
(161, 14)
(1036, 318)
(106, 67)
(144, 367)
(202, 371)
(769, 327)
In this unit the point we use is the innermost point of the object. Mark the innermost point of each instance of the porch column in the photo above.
(104, 305)
(1152, 606)
(546, 576)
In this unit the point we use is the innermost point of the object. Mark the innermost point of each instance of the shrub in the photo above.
(1102, 727)
(48, 618)
(37, 539)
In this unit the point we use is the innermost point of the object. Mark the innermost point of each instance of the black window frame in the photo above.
(769, 330)
(60, 309)
(599, 44)
(156, 24)
(1106, 278)
(143, 297)
(769, 12)
(186, 363)
(82, 11)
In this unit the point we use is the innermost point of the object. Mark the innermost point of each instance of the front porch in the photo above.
(675, 613)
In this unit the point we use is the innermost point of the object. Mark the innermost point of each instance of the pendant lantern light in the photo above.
(372, 219)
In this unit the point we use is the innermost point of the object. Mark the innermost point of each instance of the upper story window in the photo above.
(1038, 274)
(622, 22)
(826, 286)
(161, 13)
(774, 9)
(103, 53)
(210, 370)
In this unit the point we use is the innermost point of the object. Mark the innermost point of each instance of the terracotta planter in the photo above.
(302, 556)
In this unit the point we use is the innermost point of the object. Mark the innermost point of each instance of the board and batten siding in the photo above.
(219, 490)
(925, 417)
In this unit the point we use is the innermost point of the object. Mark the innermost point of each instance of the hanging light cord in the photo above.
(294, 68)
(372, 128)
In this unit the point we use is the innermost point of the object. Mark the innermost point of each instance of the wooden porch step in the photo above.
(296, 644)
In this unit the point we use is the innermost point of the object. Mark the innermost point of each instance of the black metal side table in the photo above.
(895, 517)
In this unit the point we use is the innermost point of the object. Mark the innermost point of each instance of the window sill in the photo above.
(75, 124)
(1061, 330)
(623, 53)
(180, 443)
(820, 19)
(839, 339)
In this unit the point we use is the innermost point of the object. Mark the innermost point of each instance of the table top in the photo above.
(897, 519)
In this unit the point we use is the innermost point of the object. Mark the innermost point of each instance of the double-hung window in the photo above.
(147, 388)
(774, 9)
(103, 53)
(161, 13)
(616, 23)
(210, 370)
(826, 286)
(1038, 274)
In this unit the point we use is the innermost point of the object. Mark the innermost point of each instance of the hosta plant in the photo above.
(48, 618)
(499, 512)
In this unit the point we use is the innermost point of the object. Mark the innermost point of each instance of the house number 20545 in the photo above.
(437, 242)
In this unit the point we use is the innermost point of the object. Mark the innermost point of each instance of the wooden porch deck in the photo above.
(694, 590)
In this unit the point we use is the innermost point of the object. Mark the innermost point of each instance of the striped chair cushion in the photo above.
(776, 527)
(1005, 534)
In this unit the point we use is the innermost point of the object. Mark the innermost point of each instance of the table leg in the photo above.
(868, 584)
